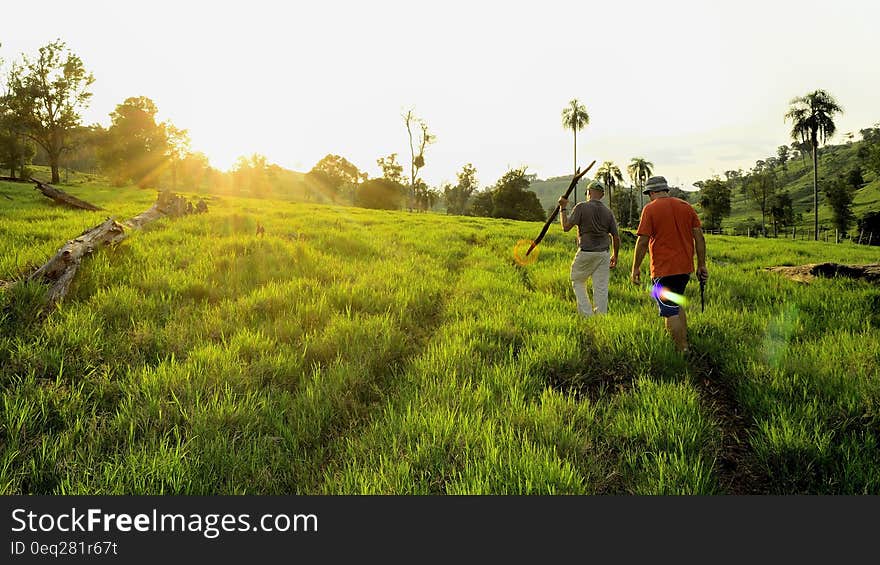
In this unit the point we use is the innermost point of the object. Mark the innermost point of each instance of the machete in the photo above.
(702, 294)
(574, 181)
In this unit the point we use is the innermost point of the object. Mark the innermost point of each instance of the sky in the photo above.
(695, 87)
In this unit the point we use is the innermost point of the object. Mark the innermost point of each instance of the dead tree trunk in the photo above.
(806, 273)
(62, 197)
(59, 271)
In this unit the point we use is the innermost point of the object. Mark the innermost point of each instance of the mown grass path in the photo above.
(734, 467)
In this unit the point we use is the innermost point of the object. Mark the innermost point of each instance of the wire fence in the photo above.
(825, 234)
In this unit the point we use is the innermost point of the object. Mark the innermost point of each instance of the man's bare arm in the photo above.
(563, 215)
(615, 247)
(638, 256)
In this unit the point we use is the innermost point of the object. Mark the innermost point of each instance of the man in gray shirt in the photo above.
(596, 229)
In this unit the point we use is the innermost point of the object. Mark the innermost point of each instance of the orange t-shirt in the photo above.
(669, 222)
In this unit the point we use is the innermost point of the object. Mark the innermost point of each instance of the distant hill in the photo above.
(551, 189)
(797, 179)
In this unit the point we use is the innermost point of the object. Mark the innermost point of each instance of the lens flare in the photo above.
(663, 293)
(780, 330)
(520, 250)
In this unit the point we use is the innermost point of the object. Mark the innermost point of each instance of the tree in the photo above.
(575, 117)
(801, 148)
(331, 175)
(512, 198)
(457, 196)
(734, 179)
(839, 195)
(86, 143)
(45, 97)
(391, 169)
(870, 223)
(855, 178)
(622, 204)
(194, 169)
(136, 147)
(431, 197)
(812, 118)
(869, 152)
(781, 211)
(421, 139)
(609, 174)
(481, 204)
(872, 134)
(178, 147)
(380, 194)
(16, 151)
(715, 202)
(251, 175)
(509, 198)
(760, 187)
(677, 192)
(783, 153)
(639, 171)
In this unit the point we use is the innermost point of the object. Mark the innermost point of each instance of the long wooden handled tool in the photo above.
(552, 217)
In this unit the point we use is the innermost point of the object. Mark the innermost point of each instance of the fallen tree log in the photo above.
(806, 273)
(59, 271)
(167, 204)
(62, 197)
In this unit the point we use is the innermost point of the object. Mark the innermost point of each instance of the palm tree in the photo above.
(812, 118)
(609, 174)
(639, 170)
(575, 117)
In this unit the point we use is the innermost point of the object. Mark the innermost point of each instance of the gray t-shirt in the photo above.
(594, 221)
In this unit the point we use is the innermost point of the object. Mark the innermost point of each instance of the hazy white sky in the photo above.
(696, 87)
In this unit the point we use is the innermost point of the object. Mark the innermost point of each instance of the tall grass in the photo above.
(354, 351)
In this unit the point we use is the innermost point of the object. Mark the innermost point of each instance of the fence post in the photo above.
(836, 236)
(748, 232)
(870, 235)
(861, 233)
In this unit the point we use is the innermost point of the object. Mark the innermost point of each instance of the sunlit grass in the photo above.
(354, 351)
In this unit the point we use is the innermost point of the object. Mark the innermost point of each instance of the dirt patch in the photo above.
(592, 385)
(806, 273)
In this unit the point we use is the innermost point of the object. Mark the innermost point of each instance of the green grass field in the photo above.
(350, 351)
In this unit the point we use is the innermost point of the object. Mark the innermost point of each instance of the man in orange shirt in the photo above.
(670, 230)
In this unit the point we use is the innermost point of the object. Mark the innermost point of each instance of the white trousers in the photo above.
(595, 265)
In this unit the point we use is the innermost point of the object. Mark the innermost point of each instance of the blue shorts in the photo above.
(671, 283)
